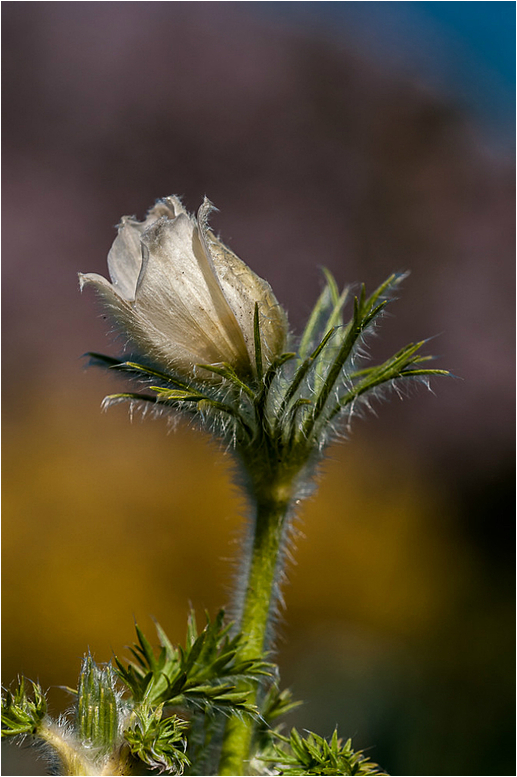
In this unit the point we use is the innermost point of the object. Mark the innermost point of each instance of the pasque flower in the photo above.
(193, 310)
(183, 297)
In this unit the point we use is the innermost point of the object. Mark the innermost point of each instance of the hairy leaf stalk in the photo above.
(269, 531)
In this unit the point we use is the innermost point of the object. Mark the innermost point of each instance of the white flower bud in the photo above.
(183, 297)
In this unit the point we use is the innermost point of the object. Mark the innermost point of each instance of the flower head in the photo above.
(183, 297)
(209, 337)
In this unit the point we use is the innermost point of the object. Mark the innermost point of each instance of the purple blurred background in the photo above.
(363, 137)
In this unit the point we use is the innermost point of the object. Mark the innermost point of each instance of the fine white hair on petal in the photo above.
(181, 299)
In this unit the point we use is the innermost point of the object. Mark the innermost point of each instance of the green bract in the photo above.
(290, 410)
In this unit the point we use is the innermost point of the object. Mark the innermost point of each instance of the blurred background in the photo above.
(366, 137)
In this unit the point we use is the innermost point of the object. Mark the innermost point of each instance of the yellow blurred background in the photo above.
(108, 521)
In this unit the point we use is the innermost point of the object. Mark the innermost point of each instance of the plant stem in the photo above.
(272, 506)
(72, 760)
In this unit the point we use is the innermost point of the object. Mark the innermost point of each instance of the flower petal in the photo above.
(180, 297)
(118, 306)
(242, 288)
(125, 256)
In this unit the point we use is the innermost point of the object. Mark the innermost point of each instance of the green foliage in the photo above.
(201, 677)
(275, 705)
(157, 741)
(334, 382)
(203, 674)
(314, 755)
(326, 314)
(97, 707)
(290, 409)
(278, 417)
(20, 713)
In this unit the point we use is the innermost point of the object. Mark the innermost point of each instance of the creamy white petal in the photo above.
(133, 321)
(125, 256)
(118, 306)
(242, 289)
(168, 206)
(180, 295)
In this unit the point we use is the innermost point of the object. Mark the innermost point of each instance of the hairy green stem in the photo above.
(271, 511)
(67, 750)
(76, 760)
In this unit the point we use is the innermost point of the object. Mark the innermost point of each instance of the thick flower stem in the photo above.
(259, 601)
(71, 759)
(75, 759)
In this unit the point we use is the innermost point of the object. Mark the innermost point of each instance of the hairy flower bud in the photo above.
(183, 297)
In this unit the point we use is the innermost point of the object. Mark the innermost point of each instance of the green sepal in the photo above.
(270, 375)
(328, 299)
(226, 371)
(176, 395)
(97, 705)
(300, 374)
(129, 395)
(312, 325)
(204, 672)
(417, 373)
(314, 755)
(158, 741)
(398, 367)
(365, 312)
(102, 360)
(334, 321)
(143, 370)
(22, 714)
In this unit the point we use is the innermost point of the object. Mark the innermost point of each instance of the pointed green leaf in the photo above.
(227, 371)
(258, 343)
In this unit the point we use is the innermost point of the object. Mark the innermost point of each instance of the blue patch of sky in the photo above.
(465, 50)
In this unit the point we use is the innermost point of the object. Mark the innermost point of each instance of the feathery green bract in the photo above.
(276, 704)
(203, 674)
(197, 676)
(157, 741)
(20, 713)
(226, 371)
(314, 755)
(176, 395)
(326, 314)
(289, 409)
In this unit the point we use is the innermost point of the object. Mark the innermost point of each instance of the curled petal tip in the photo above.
(207, 202)
(204, 211)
